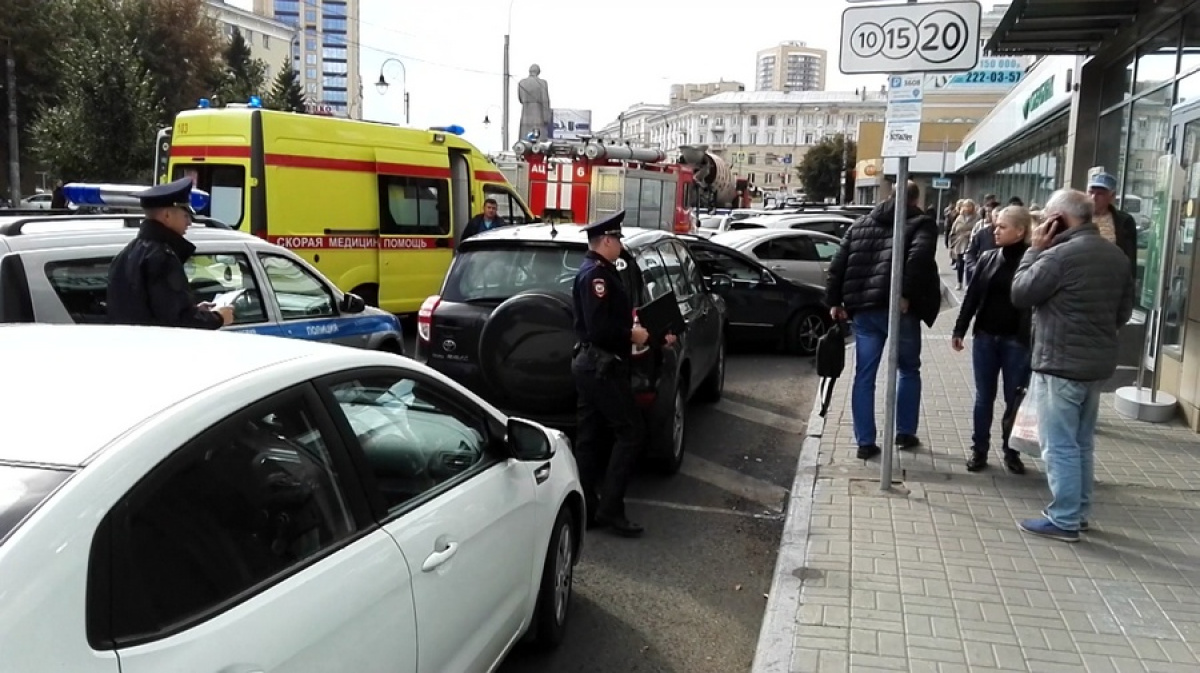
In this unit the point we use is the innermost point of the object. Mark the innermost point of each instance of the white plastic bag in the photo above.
(1025, 437)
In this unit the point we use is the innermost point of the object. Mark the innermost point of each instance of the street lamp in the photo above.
(487, 121)
(382, 85)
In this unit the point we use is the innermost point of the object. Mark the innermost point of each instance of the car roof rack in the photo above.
(130, 221)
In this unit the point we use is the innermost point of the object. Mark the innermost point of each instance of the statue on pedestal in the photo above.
(534, 96)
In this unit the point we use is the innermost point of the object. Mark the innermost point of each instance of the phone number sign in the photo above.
(912, 37)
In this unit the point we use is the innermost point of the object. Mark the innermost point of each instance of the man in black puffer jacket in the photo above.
(858, 288)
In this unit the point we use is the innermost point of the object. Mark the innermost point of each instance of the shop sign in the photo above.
(991, 73)
(969, 152)
(1038, 98)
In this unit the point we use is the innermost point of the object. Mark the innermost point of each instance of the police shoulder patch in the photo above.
(599, 288)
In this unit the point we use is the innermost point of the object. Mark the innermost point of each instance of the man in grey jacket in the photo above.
(1081, 293)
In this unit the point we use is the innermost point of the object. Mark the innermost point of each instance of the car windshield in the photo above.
(22, 489)
(499, 273)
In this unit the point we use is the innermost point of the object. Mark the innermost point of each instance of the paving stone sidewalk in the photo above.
(936, 577)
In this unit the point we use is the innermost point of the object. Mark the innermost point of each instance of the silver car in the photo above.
(796, 254)
(54, 269)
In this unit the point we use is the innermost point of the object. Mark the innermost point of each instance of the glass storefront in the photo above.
(1032, 170)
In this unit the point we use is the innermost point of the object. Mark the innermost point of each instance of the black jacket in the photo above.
(977, 291)
(981, 242)
(859, 275)
(147, 284)
(1125, 228)
(475, 226)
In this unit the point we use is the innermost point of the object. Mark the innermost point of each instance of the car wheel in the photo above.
(714, 385)
(804, 330)
(671, 442)
(558, 576)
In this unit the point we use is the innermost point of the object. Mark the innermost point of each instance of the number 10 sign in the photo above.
(912, 37)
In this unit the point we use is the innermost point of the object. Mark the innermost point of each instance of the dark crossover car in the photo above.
(503, 326)
(763, 305)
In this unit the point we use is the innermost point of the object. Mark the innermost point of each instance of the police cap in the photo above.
(176, 194)
(609, 226)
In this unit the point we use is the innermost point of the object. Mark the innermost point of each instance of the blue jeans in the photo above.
(991, 356)
(1067, 412)
(870, 335)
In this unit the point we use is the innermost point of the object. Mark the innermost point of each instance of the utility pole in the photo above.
(14, 149)
(941, 217)
(845, 160)
(505, 146)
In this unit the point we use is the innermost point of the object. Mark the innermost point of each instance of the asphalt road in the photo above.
(688, 596)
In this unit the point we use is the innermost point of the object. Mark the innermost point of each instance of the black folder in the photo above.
(661, 316)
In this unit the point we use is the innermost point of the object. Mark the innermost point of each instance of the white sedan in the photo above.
(178, 500)
(796, 254)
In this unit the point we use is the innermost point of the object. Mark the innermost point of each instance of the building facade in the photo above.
(1118, 91)
(762, 134)
(682, 94)
(268, 39)
(325, 51)
(791, 67)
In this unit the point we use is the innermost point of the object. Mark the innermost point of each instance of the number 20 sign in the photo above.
(912, 37)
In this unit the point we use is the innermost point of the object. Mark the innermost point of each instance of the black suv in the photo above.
(503, 326)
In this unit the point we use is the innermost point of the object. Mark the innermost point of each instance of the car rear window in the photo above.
(500, 273)
(22, 489)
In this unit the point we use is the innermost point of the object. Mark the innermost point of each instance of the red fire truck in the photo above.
(567, 181)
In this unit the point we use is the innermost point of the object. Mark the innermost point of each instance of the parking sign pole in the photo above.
(893, 338)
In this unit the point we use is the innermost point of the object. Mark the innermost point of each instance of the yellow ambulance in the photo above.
(377, 208)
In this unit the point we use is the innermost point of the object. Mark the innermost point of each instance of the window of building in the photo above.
(311, 87)
(1157, 60)
(752, 159)
(413, 206)
(310, 16)
(753, 138)
(287, 6)
(310, 44)
(415, 436)
(1177, 270)
(334, 25)
(337, 53)
(770, 120)
(770, 137)
(335, 82)
(310, 59)
(754, 120)
(266, 41)
(255, 497)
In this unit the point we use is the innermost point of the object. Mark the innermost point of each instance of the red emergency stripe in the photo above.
(211, 151)
(358, 242)
(490, 176)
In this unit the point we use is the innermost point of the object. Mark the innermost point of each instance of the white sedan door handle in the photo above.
(437, 558)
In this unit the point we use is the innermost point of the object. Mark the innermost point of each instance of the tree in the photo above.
(181, 48)
(103, 127)
(244, 75)
(286, 93)
(822, 167)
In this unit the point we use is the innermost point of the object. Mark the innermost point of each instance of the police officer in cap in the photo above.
(147, 284)
(604, 326)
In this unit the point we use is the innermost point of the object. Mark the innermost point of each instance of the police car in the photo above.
(54, 269)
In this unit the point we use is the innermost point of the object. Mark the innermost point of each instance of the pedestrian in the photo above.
(601, 367)
(147, 284)
(1115, 225)
(858, 289)
(983, 238)
(58, 200)
(1002, 334)
(486, 221)
(1067, 278)
(960, 238)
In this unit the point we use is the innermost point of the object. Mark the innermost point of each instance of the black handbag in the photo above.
(831, 362)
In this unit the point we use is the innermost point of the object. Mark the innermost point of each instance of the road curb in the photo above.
(777, 635)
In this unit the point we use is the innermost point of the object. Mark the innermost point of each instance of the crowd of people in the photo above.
(1046, 292)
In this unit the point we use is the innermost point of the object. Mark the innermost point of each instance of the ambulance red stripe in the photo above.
(360, 242)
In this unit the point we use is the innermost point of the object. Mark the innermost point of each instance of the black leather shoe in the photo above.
(1012, 461)
(868, 451)
(620, 525)
(907, 442)
(977, 461)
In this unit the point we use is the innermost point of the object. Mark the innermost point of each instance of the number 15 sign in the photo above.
(913, 37)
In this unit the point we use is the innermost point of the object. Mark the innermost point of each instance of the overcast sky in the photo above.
(600, 56)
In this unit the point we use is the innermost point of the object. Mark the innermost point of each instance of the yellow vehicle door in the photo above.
(416, 239)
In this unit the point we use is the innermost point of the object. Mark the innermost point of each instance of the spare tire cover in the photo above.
(525, 352)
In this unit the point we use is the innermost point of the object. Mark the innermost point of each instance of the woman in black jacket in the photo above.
(1002, 333)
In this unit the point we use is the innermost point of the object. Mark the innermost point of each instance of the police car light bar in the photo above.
(119, 196)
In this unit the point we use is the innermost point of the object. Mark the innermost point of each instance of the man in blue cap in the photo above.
(604, 326)
(147, 284)
(1115, 225)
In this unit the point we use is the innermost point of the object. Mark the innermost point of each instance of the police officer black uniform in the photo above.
(604, 326)
(147, 284)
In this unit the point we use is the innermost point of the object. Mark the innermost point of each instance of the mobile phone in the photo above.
(1057, 225)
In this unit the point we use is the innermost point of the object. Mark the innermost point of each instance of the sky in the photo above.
(598, 56)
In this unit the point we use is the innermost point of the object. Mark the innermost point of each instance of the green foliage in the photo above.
(822, 167)
(115, 72)
(244, 76)
(286, 93)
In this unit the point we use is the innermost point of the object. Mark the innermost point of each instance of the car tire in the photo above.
(669, 441)
(714, 385)
(805, 329)
(558, 575)
(368, 293)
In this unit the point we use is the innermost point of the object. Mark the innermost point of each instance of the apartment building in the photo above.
(268, 39)
(791, 66)
(325, 49)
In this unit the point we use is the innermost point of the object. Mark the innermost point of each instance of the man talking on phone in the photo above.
(1067, 276)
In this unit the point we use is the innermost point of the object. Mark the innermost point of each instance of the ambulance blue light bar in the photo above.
(255, 102)
(119, 196)
(453, 128)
